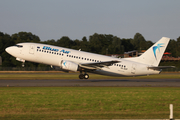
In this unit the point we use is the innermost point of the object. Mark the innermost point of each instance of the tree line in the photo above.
(96, 43)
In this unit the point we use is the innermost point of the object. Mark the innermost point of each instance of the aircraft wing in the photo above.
(160, 67)
(97, 65)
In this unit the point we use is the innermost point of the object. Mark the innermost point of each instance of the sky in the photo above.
(53, 19)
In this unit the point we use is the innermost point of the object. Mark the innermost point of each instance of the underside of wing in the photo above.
(97, 65)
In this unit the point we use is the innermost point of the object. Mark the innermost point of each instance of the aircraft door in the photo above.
(133, 70)
(31, 50)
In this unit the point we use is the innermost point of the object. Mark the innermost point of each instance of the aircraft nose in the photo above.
(8, 49)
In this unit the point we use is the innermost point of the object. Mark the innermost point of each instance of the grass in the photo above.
(75, 76)
(88, 102)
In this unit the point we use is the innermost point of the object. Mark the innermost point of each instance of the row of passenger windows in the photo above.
(68, 55)
(88, 59)
(119, 65)
(49, 52)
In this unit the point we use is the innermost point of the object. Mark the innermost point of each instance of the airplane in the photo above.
(84, 62)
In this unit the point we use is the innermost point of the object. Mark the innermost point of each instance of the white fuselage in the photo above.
(53, 55)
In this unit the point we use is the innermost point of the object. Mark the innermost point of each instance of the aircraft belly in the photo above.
(112, 72)
(108, 73)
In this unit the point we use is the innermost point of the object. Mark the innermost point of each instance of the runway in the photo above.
(92, 83)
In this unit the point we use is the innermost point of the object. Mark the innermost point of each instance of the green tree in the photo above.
(139, 42)
(127, 45)
(25, 37)
(99, 43)
(65, 42)
(178, 47)
(5, 41)
(95, 42)
(172, 48)
(50, 42)
(85, 45)
(115, 47)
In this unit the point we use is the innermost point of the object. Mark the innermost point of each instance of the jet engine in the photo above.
(68, 65)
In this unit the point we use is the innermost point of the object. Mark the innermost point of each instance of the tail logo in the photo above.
(157, 47)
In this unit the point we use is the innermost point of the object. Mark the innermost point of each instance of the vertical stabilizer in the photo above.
(154, 54)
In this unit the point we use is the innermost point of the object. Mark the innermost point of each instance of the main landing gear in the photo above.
(83, 76)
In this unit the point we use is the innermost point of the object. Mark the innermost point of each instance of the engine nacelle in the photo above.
(68, 65)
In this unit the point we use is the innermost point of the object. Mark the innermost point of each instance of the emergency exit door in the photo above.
(31, 50)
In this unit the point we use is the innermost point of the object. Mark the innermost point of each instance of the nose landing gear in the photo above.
(23, 64)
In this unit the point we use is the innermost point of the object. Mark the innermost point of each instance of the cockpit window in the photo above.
(19, 46)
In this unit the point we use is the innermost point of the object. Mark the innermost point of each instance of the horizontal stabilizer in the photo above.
(161, 67)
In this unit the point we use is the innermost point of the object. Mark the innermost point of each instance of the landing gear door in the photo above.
(133, 70)
(31, 50)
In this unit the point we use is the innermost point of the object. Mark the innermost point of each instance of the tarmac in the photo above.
(92, 83)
